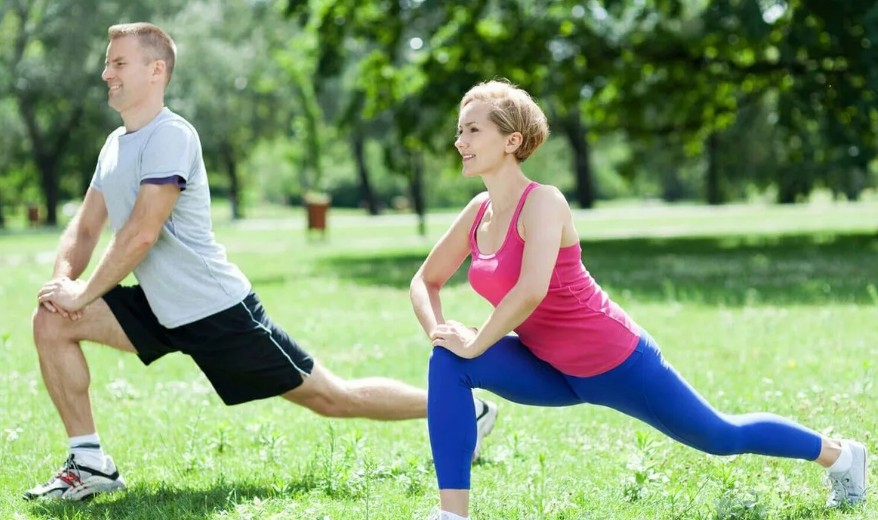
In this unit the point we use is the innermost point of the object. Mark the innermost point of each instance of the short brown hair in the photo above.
(512, 110)
(156, 43)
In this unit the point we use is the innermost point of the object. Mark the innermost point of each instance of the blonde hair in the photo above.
(156, 43)
(512, 110)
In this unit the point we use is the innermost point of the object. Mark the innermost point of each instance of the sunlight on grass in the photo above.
(760, 308)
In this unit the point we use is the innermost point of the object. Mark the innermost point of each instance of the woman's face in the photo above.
(479, 141)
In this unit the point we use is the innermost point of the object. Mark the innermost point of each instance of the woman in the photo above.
(573, 344)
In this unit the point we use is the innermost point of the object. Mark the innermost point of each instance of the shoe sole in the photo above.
(488, 429)
(88, 490)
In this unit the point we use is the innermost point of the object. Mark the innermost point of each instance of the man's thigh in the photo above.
(97, 324)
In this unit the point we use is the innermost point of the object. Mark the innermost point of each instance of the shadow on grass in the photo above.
(165, 502)
(733, 271)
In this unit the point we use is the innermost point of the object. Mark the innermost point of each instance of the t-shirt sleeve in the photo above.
(96, 177)
(95, 182)
(170, 153)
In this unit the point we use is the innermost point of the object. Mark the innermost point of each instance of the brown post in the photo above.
(317, 207)
(33, 214)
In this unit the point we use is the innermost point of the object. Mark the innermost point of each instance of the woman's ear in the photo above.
(513, 142)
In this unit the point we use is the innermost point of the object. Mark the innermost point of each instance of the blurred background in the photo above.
(676, 100)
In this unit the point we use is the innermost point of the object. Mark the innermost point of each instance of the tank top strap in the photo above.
(472, 232)
(512, 230)
(513, 224)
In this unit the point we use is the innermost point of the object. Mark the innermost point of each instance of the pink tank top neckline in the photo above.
(511, 231)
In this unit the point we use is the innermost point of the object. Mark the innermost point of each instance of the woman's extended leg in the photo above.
(648, 388)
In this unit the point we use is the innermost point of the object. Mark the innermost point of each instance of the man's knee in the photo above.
(332, 406)
(48, 327)
(325, 395)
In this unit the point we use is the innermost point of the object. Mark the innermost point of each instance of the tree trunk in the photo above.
(48, 149)
(366, 192)
(228, 155)
(48, 167)
(713, 193)
(576, 136)
(417, 190)
(791, 184)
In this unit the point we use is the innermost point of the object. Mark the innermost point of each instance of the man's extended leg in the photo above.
(373, 398)
(378, 398)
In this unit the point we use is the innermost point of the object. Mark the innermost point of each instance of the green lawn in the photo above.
(762, 308)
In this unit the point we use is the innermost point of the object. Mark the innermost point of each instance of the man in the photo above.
(151, 184)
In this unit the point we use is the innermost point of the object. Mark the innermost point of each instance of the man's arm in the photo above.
(126, 250)
(81, 236)
(131, 243)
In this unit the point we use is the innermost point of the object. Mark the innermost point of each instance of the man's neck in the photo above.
(138, 117)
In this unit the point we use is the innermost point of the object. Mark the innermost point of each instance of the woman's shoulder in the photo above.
(480, 197)
(546, 196)
(476, 201)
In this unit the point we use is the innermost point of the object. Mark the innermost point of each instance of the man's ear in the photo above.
(513, 142)
(158, 69)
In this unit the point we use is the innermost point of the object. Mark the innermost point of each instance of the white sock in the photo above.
(88, 451)
(844, 461)
(445, 515)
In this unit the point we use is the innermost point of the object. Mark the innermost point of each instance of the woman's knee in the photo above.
(443, 363)
(717, 438)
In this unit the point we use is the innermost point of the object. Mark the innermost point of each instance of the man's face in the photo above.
(128, 74)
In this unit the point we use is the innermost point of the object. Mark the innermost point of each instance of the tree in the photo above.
(51, 62)
(807, 62)
(228, 83)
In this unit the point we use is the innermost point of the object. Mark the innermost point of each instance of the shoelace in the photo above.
(70, 473)
(839, 490)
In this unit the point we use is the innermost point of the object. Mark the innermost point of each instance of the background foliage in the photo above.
(714, 100)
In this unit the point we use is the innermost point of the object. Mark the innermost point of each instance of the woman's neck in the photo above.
(505, 188)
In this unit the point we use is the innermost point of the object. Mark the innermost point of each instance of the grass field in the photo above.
(761, 308)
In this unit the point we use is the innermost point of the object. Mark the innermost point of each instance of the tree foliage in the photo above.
(774, 94)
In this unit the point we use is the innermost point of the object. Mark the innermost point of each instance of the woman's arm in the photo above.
(443, 261)
(544, 218)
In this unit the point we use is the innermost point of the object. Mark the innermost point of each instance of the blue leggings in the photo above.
(644, 386)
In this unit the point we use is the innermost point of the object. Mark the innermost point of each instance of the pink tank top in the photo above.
(576, 328)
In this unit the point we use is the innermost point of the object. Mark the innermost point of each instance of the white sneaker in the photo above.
(484, 424)
(76, 482)
(850, 487)
(438, 514)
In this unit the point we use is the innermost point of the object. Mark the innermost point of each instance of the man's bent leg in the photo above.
(373, 398)
(63, 366)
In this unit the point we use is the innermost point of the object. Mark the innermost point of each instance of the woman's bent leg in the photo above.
(507, 369)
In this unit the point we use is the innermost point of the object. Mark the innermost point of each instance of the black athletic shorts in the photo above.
(240, 350)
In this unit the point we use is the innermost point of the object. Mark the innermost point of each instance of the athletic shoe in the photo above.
(77, 482)
(437, 514)
(850, 487)
(484, 424)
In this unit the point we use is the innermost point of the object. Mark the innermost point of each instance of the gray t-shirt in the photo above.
(185, 275)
